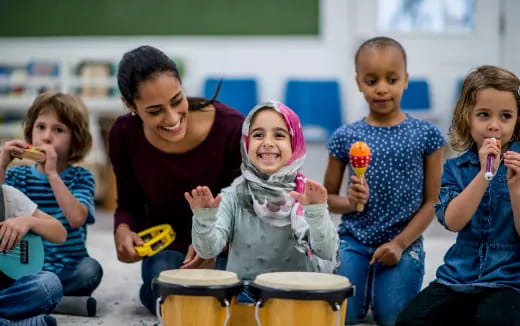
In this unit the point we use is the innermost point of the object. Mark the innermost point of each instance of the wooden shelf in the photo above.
(112, 105)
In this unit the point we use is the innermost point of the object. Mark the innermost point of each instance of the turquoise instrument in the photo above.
(24, 259)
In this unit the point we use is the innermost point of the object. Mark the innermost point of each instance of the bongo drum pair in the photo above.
(207, 298)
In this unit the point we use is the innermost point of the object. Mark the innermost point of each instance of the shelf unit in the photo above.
(17, 93)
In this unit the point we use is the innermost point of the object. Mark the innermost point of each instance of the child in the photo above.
(381, 249)
(57, 125)
(273, 219)
(25, 301)
(479, 282)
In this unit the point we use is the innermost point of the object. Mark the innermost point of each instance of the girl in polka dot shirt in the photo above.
(381, 247)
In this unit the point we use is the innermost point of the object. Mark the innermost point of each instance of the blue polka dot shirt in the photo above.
(395, 175)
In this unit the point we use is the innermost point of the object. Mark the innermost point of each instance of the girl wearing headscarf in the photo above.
(272, 217)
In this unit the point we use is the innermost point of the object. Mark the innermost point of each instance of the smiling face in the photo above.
(163, 108)
(382, 78)
(494, 115)
(48, 129)
(269, 146)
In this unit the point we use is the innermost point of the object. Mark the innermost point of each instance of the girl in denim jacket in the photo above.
(479, 282)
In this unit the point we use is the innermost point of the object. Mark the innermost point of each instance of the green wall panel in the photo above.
(20, 18)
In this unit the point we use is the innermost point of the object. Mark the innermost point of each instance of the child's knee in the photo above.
(90, 269)
(49, 290)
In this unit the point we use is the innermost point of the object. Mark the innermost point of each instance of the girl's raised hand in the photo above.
(201, 197)
(512, 162)
(314, 193)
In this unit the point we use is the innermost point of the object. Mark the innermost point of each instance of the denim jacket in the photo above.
(487, 250)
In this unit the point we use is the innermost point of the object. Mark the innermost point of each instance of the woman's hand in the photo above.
(12, 230)
(314, 193)
(358, 191)
(126, 240)
(193, 260)
(201, 197)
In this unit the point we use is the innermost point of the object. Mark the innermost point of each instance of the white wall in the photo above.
(344, 24)
(442, 59)
(510, 47)
(270, 59)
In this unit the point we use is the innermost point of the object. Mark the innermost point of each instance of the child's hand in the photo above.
(16, 146)
(489, 146)
(387, 254)
(51, 159)
(314, 193)
(193, 260)
(358, 191)
(512, 162)
(12, 230)
(201, 197)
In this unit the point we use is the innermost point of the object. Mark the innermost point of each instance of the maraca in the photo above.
(359, 160)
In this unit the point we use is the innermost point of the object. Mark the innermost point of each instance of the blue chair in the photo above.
(240, 94)
(417, 96)
(458, 87)
(318, 104)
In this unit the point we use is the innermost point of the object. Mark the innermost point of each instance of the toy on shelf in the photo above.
(359, 160)
(155, 239)
(31, 153)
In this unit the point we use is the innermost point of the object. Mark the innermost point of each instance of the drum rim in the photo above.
(334, 297)
(220, 292)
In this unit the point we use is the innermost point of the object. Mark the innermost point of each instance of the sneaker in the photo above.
(91, 307)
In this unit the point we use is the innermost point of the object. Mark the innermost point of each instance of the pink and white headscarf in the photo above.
(267, 195)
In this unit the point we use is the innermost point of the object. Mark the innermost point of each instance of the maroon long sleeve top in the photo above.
(151, 183)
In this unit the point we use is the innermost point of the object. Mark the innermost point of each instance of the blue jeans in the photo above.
(151, 268)
(81, 279)
(386, 290)
(29, 296)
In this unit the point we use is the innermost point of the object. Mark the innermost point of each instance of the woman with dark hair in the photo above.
(166, 145)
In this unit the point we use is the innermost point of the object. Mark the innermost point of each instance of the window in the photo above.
(426, 16)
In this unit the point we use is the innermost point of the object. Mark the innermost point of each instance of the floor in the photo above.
(117, 295)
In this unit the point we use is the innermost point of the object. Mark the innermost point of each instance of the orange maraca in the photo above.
(359, 160)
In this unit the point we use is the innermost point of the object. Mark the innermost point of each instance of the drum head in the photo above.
(222, 285)
(302, 281)
(198, 277)
(331, 288)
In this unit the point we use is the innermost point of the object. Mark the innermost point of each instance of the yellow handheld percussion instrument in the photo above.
(300, 299)
(31, 153)
(196, 297)
(155, 239)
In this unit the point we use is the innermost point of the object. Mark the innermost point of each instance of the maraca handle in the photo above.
(360, 207)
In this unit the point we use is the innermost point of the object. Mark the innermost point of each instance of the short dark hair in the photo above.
(72, 112)
(380, 41)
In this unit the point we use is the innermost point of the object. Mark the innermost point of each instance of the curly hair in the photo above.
(72, 112)
(482, 77)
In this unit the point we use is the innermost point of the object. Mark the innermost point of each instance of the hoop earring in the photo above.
(133, 113)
